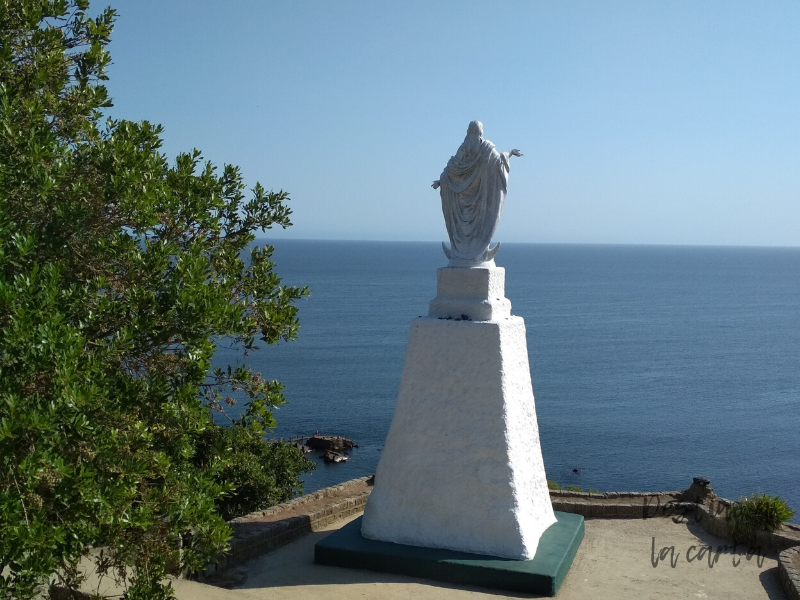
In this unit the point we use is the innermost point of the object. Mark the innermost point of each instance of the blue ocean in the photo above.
(650, 364)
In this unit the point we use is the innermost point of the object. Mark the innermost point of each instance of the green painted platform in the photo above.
(543, 575)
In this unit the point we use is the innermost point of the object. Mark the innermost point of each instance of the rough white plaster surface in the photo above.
(478, 293)
(462, 466)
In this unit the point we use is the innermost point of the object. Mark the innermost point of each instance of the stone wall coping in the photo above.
(301, 500)
(609, 495)
(788, 574)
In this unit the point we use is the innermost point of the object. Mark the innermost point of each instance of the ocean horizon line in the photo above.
(579, 244)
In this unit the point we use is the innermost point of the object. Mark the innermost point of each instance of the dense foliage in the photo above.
(757, 512)
(264, 474)
(118, 271)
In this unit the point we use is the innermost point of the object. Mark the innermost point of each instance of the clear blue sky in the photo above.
(663, 122)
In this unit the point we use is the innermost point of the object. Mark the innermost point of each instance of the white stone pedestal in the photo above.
(462, 466)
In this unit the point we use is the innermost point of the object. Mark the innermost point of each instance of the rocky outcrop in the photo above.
(325, 443)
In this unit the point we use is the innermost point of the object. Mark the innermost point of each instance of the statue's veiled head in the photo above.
(472, 141)
(475, 128)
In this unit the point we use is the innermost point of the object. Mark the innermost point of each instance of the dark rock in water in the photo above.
(324, 442)
(333, 457)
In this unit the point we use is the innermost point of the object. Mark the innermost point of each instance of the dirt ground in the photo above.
(619, 558)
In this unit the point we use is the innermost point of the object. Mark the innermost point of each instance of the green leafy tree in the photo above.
(118, 271)
(264, 474)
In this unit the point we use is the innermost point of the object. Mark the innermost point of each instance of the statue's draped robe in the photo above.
(473, 189)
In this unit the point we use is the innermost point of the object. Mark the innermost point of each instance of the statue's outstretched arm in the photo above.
(514, 152)
(436, 184)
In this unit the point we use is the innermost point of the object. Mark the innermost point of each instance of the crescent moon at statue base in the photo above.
(482, 261)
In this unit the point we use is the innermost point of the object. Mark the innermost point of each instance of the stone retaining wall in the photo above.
(788, 573)
(253, 537)
(635, 505)
(298, 502)
(615, 505)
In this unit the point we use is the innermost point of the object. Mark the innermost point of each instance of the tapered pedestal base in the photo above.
(462, 467)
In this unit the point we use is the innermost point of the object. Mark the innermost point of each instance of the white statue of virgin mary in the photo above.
(473, 189)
